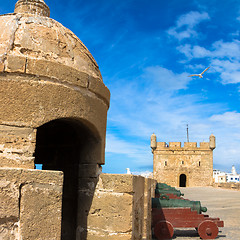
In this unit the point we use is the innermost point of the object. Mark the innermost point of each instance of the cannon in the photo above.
(165, 187)
(160, 185)
(170, 210)
(166, 202)
(164, 220)
(159, 192)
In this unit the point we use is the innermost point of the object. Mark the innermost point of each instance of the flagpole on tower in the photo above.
(187, 134)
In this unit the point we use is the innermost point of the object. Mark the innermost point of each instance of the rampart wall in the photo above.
(227, 185)
(31, 206)
(121, 208)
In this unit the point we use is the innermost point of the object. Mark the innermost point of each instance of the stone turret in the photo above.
(53, 112)
(153, 142)
(46, 74)
(37, 7)
(212, 142)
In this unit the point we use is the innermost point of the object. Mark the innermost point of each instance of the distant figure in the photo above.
(128, 170)
(199, 75)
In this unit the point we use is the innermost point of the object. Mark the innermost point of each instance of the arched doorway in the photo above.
(67, 145)
(182, 180)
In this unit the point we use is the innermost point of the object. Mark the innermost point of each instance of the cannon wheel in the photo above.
(163, 230)
(207, 230)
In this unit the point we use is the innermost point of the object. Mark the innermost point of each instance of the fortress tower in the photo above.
(183, 166)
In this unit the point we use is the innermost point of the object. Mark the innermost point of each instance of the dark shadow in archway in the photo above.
(182, 180)
(68, 145)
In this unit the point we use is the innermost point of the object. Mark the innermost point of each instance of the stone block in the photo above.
(190, 145)
(58, 71)
(17, 145)
(96, 86)
(51, 178)
(40, 212)
(15, 64)
(2, 66)
(9, 229)
(15, 161)
(9, 197)
(204, 145)
(120, 183)
(161, 145)
(111, 212)
(30, 200)
(174, 144)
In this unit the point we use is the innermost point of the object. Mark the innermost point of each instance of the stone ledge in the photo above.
(53, 70)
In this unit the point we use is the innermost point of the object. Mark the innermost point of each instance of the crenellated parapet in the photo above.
(185, 146)
(179, 145)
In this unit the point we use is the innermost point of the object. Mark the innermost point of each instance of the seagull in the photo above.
(199, 75)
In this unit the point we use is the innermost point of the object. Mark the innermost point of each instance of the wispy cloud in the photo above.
(219, 49)
(186, 24)
(166, 79)
(224, 58)
(228, 119)
(227, 128)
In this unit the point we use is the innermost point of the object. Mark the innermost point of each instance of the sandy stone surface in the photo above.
(222, 203)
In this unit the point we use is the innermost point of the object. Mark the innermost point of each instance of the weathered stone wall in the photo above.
(30, 204)
(17, 145)
(117, 211)
(149, 193)
(227, 185)
(169, 162)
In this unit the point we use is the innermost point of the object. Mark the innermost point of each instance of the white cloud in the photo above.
(224, 58)
(116, 145)
(166, 79)
(227, 130)
(219, 49)
(229, 50)
(228, 70)
(185, 25)
(192, 19)
(231, 119)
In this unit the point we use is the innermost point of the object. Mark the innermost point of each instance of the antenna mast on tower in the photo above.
(187, 134)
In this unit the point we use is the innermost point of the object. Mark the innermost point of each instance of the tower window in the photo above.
(165, 163)
(182, 162)
(199, 163)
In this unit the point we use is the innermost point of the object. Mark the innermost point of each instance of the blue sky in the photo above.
(145, 50)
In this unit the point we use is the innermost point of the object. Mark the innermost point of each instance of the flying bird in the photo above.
(199, 75)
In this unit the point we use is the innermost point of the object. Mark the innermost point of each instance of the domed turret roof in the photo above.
(30, 34)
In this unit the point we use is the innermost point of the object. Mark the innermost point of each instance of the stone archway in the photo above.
(70, 146)
(182, 180)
